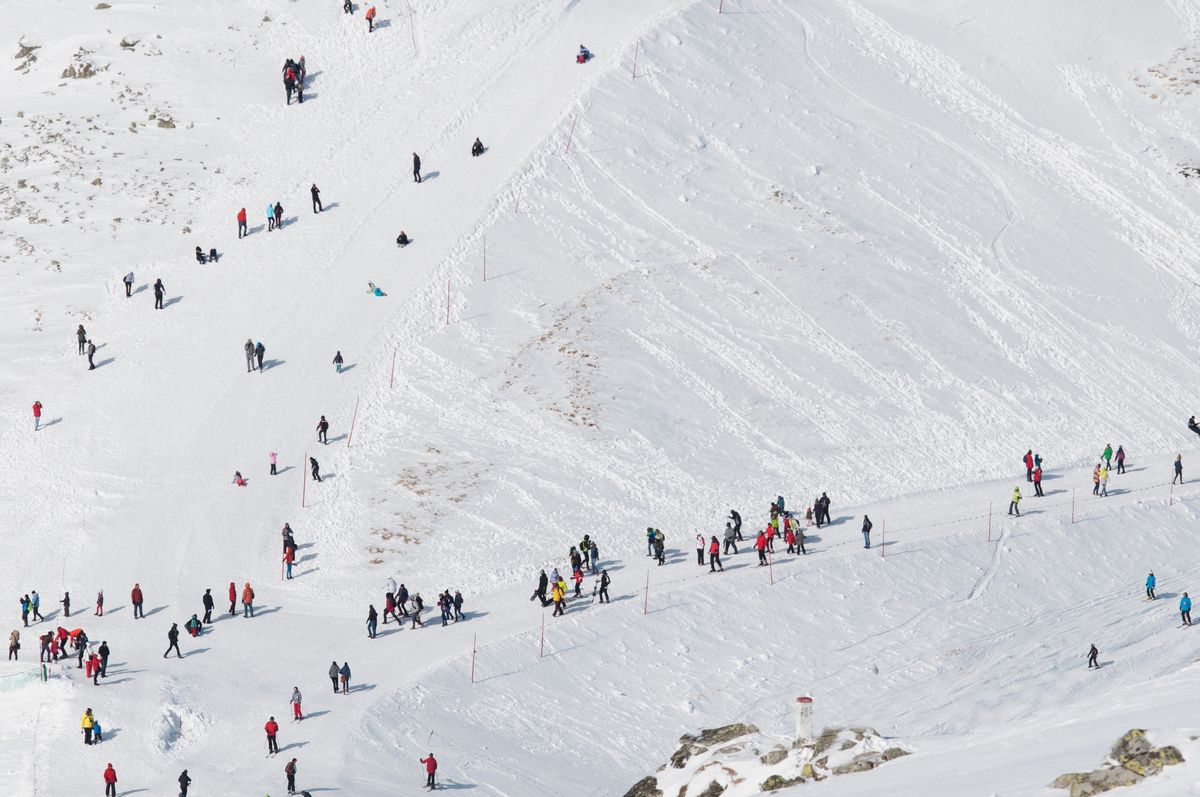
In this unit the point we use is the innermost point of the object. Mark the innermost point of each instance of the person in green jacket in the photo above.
(1016, 499)
(1107, 455)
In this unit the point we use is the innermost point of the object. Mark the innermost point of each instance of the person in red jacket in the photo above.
(272, 728)
(37, 415)
(135, 597)
(430, 768)
(232, 598)
(760, 545)
(241, 219)
(1028, 460)
(714, 555)
(110, 782)
(1037, 482)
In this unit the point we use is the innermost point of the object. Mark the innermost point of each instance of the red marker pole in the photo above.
(353, 421)
(542, 646)
(473, 639)
(303, 479)
(646, 602)
(571, 135)
(636, 47)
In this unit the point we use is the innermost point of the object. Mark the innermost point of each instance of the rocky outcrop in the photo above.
(646, 787)
(709, 737)
(1132, 759)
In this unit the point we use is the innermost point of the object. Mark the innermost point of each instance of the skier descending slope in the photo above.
(1185, 610)
(1093, 654)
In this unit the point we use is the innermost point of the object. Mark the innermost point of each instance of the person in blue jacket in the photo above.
(1150, 582)
(270, 217)
(1185, 609)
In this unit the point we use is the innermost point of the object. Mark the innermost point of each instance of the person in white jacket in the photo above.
(700, 545)
(296, 713)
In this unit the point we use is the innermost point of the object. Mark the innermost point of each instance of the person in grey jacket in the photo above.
(334, 671)
(730, 539)
(867, 525)
(249, 349)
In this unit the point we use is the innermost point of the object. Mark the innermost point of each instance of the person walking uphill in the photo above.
(135, 597)
(430, 770)
(416, 168)
(334, 670)
(1037, 482)
(1185, 609)
(208, 606)
(700, 546)
(866, 530)
(241, 221)
(184, 782)
(714, 556)
(173, 640)
(248, 348)
(81, 337)
(128, 285)
(232, 599)
(1106, 455)
(1120, 459)
(259, 351)
(271, 208)
(344, 675)
(1013, 505)
(278, 211)
(337, 361)
(322, 430)
(247, 601)
(91, 352)
(760, 545)
(316, 469)
(1093, 654)
(1150, 582)
(316, 198)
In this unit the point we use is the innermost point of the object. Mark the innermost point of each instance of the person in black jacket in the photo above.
(173, 638)
(159, 290)
(259, 351)
(866, 529)
(103, 651)
(208, 606)
(278, 216)
(737, 524)
(316, 198)
(316, 469)
(540, 592)
(477, 148)
(416, 168)
(184, 782)
(604, 582)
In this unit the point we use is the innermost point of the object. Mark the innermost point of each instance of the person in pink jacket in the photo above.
(271, 458)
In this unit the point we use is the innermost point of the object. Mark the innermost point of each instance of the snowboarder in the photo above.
(540, 591)
(344, 675)
(248, 348)
(604, 582)
(402, 239)
(584, 55)
(81, 337)
(1178, 469)
(37, 415)
(159, 290)
(316, 469)
(259, 351)
(333, 675)
(760, 545)
(1150, 582)
(1028, 460)
(208, 606)
(1120, 459)
(272, 728)
(278, 211)
(241, 221)
(1185, 609)
(416, 168)
(1093, 654)
(373, 619)
(136, 598)
(91, 352)
(273, 458)
(337, 361)
(700, 546)
(247, 601)
(1037, 481)
(289, 769)
(184, 782)
(1013, 507)
(129, 284)
(477, 148)
(322, 430)
(866, 531)
(110, 782)
(714, 555)
(173, 640)
(430, 770)
(296, 698)
(316, 198)
(371, 20)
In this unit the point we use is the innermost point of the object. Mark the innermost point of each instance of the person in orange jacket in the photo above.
(110, 782)
(370, 19)
(272, 728)
(241, 220)
(760, 545)
(247, 601)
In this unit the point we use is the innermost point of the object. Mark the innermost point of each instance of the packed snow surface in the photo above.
(874, 248)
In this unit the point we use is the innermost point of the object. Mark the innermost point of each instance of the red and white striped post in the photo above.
(353, 421)
(473, 640)
(637, 45)
(303, 478)
(571, 135)
(804, 719)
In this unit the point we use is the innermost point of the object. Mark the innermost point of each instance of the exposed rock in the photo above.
(102, 6)
(97, 181)
(860, 763)
(128, 43)
(1151, 763)
(773, 757)
(1133, 759)
(165, 122)
(779, 782)
(714, 790)
(646, 787)
(25, 50)
(1086, 784)
(825, 740)
(1132, 743)
(710, 736)
(893, 752)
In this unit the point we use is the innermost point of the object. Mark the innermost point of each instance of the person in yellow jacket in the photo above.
(87, 723)
(1016, 499)
(1103, 480)
(558, 594)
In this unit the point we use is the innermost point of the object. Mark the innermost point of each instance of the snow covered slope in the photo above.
(871, 248)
